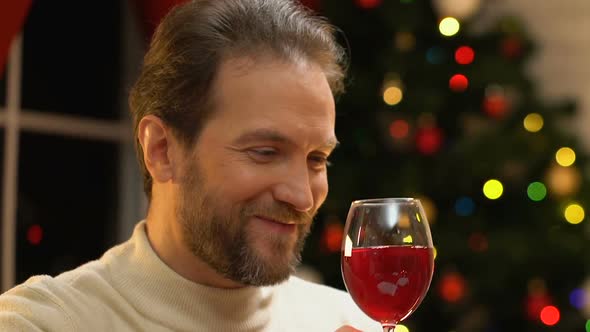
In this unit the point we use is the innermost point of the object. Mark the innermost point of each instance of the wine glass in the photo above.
(387, 257)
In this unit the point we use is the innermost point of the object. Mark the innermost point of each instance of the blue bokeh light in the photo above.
(435, 55)
(464, 206)
(577, 298)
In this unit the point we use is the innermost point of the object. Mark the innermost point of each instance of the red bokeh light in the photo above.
(512, 47)
(368, 4)
(452, 287)
(312, 4)
(535, 303)
(550, 315)
(35, 234)
(495, 105)
(458, 83)
(399, 129)
(429, 140)
(478, 242)
(464, 55)
(332, 239)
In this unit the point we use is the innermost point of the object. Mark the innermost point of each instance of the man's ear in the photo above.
(157, 144)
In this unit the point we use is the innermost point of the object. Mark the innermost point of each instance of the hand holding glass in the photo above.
(387, 257)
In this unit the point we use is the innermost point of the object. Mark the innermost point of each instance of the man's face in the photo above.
(257, 174)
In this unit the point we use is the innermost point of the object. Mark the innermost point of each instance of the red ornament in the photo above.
(429, 140)
(332, 237)
(452, 287)
(35, 234)
(458, 83)
(495, 105)
(464, 55)
(511, 47)
(368, 4)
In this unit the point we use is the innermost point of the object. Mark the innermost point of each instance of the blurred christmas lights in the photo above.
(549, 315)
(534, 303)
(511, 47)
(577, 298)
(35, 234)
(452, 287)
(493, 189)
(332, 235)
(392, 95)
(449, 26)
(435, 55)
(458, 83)
(405, 41)
(565, 156)
(429, 209)
(533, 122)
(536, 191)
(399, 129)
(464, 206)
(478, 242)
(563, 181)
(464, 55)
(495, 102)
(401, 328)
(429, 140)
(574, 213)
(368, 4)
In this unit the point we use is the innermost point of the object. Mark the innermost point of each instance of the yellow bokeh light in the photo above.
(565, 157)
(449, 26)
(493, 189)
(401, 328)
(533, 122)
(434, 252)
(574, 214)
(392, 95)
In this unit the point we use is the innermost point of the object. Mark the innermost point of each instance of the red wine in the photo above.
(388, 283)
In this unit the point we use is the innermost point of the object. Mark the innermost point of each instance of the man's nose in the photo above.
(294, 188)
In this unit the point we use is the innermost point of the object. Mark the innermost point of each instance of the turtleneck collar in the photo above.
(158, 292)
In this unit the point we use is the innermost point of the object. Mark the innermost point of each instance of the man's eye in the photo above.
(262, 154)
(319, 161)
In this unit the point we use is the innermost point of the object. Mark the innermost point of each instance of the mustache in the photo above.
(281, 212)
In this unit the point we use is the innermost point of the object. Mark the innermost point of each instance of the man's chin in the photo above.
(264, 268)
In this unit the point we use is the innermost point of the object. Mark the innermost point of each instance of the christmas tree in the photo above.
(439, 111)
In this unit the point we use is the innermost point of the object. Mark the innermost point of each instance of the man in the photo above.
(234, 119)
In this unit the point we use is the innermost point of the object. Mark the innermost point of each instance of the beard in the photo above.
(220, 233)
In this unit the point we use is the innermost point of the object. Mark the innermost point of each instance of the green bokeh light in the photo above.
(537, 191)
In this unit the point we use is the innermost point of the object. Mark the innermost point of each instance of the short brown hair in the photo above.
(194, 38)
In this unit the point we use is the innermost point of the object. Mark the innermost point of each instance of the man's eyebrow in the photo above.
(271, 135)
(262, 134)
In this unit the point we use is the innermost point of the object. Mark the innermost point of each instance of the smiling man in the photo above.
(234, 119)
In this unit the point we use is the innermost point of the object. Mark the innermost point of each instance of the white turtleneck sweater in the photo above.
(130, 289)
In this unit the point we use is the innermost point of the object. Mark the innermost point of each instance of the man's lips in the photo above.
(274, 220)
(277, 225)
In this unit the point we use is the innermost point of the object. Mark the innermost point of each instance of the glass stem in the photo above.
(388, 328)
